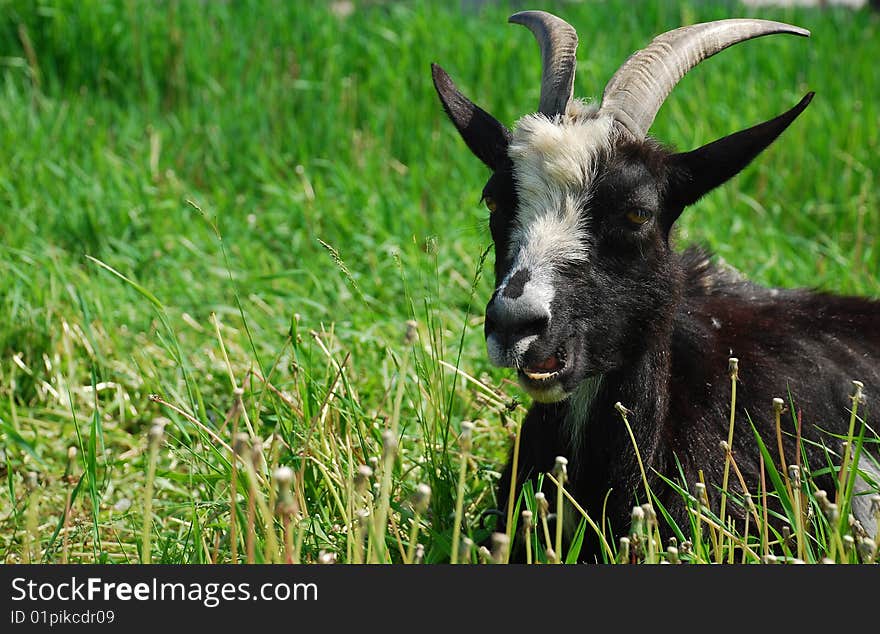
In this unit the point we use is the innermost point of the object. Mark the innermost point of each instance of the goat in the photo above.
(592, 307)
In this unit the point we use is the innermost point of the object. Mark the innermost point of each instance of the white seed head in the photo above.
(542, 503)
(867, 549)
(466, 437)
(485, 555)
(283, 476)
(527, 517)
(733, 366)
(71, 454)
(623, 551)
(411, 331)
(362, 479)
(500, 546)
(389, 443)
(778, 405)
(621, 409)
(326, 558)
(31, 480)
(157, 431)
(421, 498)
(794, 472)
(637, 518)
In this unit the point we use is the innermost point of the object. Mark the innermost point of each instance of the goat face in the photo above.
(581, 253)
(581, 205)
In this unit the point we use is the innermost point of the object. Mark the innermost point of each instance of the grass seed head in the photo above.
(560, 468)
(623, 551)
(420, 554)
(637, 518)
(466, 438)
(286, 503)
(700, 491)
(241, 444)
(500, 547)
(794, 472)
(156, 433)
(283, 476)
(411, 333)
(867, 549)
(483, 553)
(733, 367)
(326, 558)
(31, 481)
(543, 505)
(778, 405)
(421, 498)
(389, 442)
(527, 517)
(71, 465)
(362, 479)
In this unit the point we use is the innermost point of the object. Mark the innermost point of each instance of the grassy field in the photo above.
(242, 236)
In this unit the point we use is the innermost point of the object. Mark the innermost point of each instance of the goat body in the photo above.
(804, 347)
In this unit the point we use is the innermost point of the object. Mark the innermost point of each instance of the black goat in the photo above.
(593, 307)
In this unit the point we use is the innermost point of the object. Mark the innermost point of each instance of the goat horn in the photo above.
(638, 89)
(558, 41)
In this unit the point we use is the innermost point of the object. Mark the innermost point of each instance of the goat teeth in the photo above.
(539, 376)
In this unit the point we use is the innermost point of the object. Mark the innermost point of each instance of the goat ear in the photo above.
(486, 137)
(699, 171)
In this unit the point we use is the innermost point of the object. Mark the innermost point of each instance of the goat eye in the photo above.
(638, 216)
(491, 205)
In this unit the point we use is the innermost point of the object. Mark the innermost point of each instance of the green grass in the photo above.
(201, 198)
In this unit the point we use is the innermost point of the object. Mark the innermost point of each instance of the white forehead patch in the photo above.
(554, 162)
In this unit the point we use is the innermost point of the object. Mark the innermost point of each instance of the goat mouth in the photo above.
(547, 370)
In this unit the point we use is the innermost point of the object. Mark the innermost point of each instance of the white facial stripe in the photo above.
(554, 162)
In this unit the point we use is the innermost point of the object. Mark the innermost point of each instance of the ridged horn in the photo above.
(558, 41)
(638, 89)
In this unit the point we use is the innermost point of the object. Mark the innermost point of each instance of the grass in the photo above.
(243, 264)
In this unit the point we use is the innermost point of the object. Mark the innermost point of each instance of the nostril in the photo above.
(517, 318)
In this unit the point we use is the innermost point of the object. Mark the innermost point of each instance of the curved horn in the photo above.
(558, 41)
(638, 89)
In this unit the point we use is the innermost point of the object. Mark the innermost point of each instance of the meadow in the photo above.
(243, 266)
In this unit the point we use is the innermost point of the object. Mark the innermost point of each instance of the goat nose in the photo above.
(516, 318)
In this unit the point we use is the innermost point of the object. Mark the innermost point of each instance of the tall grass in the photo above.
(249, 226)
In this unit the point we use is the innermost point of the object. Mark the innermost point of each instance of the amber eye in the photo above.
(638, 216)
(491, 205)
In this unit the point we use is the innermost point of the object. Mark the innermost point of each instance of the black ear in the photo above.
(695, 173)
(484, 135)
